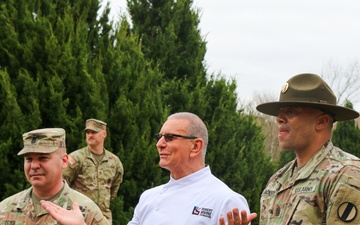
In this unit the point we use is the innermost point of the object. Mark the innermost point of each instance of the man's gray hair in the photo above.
(196, 127)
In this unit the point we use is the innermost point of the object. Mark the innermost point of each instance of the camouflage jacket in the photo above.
(99, 181)
(326, 190)
(19, 208)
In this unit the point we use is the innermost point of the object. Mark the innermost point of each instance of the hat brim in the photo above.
(38, 149)
(339, 113)
(93, 129)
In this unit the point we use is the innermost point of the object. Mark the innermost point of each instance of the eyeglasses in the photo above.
(170, 137)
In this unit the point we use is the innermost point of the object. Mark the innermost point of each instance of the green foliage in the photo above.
(347, 135)
(117, 205)
(170, 36)
(51, 72)
(11, 124)
(172, 41)
(285, 157)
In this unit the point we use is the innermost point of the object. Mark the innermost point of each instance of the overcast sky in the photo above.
(263, 43)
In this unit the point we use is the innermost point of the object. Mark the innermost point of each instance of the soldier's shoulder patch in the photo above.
(347, 212)
(72, 161)
(345, 208)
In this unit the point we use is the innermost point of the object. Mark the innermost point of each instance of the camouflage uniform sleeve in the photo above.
(344, 201)
(117, 179)
(91, 212)
(96, 218)
(71, 171)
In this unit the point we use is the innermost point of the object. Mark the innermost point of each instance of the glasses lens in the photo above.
(168, 137)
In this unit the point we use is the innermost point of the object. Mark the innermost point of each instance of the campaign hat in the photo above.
(308, 90)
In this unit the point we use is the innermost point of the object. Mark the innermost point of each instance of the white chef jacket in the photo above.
(199, 198)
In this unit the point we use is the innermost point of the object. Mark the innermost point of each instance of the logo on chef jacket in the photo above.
(202, 211)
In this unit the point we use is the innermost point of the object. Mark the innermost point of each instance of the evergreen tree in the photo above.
(135, 115)
(170, 36)
(285, 157)
(346, 135)
(51, 62)
(12, 122)
(172, 41)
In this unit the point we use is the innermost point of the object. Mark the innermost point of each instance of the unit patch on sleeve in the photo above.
(345, 208)
(347, 212)
(71, 161)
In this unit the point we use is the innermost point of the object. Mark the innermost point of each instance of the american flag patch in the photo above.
(72, 161)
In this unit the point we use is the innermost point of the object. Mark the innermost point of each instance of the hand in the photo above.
(64, 216)
(234, 218)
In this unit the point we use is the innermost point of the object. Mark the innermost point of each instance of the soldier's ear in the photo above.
(323, 121)
(65, 160)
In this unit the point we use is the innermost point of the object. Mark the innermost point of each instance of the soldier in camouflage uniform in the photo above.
(322, 185)
(44, 160)
(93, 170)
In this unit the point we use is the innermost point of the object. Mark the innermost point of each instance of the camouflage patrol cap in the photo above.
(95, 125)
(45, 140)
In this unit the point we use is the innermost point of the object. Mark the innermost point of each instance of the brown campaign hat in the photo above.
(45, 140)
(95, 125)
(308, 90)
